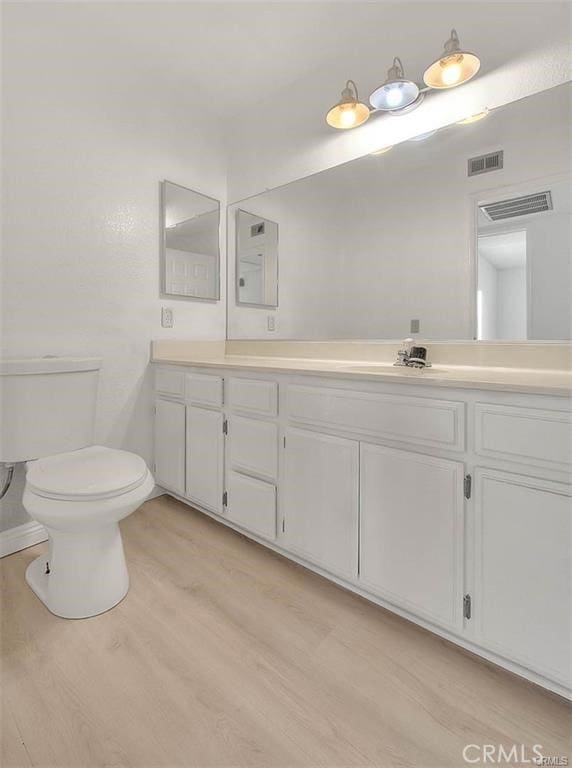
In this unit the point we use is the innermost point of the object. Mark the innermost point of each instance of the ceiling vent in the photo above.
(485, 163)
(518, 206)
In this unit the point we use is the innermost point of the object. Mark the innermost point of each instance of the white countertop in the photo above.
(523, 380)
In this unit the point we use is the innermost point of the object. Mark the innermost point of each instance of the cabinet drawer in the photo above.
(251, 504)
(438, 423)
(253, 446)
(530, 435)
(203, 389)
(168, 382)
(253, 395)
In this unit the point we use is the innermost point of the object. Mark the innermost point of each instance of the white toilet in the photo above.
(78, 491)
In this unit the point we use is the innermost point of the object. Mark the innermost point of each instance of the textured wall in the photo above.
(86, 141)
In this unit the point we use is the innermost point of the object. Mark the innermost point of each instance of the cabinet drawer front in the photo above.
(253, 446)
(253, 395)
(251, 504)
(529, 435)
(203, 389)
(439, 423)
(169, 382)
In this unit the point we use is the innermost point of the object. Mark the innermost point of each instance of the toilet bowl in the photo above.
(80, 497)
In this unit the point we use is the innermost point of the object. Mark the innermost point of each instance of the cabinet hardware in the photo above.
(284, 441)
(225, 427)
(468, 486)
(283, 525)
(225, 499)
(467, 606)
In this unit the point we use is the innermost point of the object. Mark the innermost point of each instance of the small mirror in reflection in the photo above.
(256, 260)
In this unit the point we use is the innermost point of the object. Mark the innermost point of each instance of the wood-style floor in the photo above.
(225, 654)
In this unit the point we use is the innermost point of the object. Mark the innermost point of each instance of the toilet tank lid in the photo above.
(24, 366)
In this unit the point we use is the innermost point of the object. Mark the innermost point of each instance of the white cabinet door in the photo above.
(320, 496)
(523, 590)
(411, 532)
(251, 504)
(170, 445)
(205, 445)
(252, 447)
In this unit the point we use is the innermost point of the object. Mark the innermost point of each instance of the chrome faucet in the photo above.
(412, 357)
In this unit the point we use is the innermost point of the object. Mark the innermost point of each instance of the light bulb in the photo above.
(394, 97)
(347, 115)
(451, 72)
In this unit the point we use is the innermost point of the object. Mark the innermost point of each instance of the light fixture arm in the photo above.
(453, 45)
(396, 71)
(350, 92)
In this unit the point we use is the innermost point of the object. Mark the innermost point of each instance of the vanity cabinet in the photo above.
(320, 499)
(449, 506)
(411, 531)
(170, 445)
(523, 584)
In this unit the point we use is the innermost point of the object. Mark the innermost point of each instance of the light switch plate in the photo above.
(270, 323)
(415, 325)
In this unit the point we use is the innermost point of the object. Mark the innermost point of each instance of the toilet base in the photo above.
(87, 572)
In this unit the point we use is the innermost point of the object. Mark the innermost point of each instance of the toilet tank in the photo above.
(47, 406)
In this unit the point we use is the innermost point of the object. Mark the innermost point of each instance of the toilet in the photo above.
(78, 491)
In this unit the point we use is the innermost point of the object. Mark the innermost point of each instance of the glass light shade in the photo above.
(423, 136)
(453, 67)
(396, 92)
(473, 118)
(347, 115)
(349, 112)
(382, 151)
(394, 95)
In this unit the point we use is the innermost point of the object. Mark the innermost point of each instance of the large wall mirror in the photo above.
(465, 233)
(190, 259)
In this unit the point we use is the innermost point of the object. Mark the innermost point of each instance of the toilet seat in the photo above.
(88, 474)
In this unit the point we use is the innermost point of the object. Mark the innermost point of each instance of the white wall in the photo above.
(488, 287)
(86, 141)
(368, 246)
(511, 303)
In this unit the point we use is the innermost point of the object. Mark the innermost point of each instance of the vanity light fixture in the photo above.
(473, 118)
(397, 92)
(398, 95)
(453, 67)
(349, 112)
(382, 151)
(423, 136)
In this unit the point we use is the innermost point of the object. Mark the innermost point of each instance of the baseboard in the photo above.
(21, 537)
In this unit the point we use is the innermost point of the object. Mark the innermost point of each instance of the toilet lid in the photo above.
(88, 474)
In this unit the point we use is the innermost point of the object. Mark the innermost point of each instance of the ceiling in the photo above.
(504, 251)
(235, 54)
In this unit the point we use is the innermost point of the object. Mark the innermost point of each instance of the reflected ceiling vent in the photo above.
(485, 163)
(518, 206)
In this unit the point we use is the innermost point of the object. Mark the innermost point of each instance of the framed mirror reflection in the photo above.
(256, 260)
(190, 250)
(463, 234)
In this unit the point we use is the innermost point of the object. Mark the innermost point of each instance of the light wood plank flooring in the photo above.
(225, 654)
